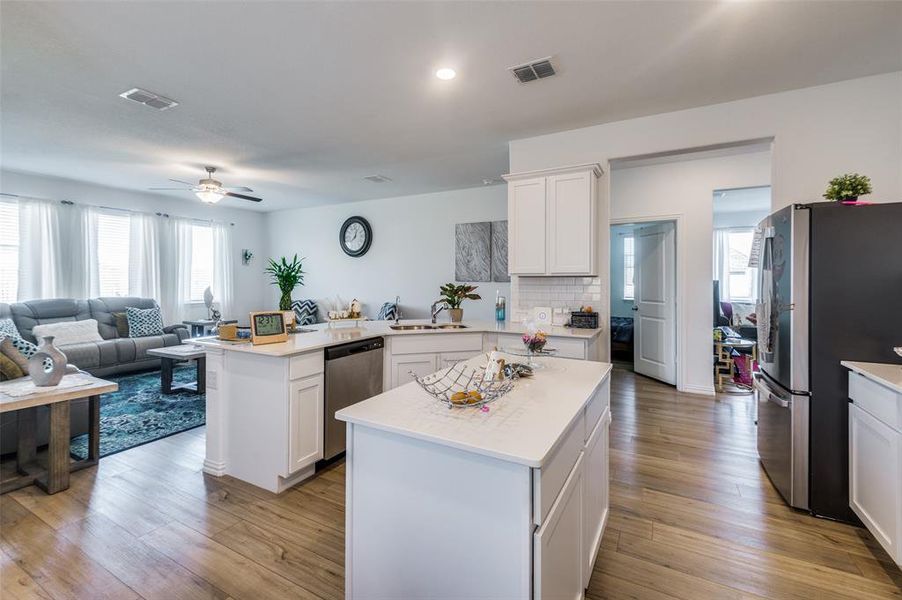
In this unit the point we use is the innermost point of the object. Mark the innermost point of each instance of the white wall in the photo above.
(248, 232)
(411, 255)
(818, 132)
(684, 190)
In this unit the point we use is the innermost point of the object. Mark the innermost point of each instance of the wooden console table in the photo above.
(55, 478)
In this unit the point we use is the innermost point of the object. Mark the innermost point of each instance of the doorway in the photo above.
(643, 298)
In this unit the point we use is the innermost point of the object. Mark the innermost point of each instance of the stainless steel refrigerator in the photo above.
(829, 289)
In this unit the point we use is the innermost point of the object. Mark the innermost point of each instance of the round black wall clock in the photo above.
(355, 236)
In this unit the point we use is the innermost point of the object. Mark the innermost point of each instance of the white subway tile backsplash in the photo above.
(567, 293)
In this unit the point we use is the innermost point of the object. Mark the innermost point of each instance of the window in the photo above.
(201, 261)
(629, 262)
(9, 251)
(743, 280)
(112, 253)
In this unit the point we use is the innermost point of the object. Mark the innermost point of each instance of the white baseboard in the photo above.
(701, 390)
(217, 469)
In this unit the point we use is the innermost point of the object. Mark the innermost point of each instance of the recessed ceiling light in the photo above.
(446, 73)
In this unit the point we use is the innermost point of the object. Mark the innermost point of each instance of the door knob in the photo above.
(635, 308)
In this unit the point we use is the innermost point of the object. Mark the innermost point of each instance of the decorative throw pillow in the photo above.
(8, 328)
(9, 369)
(305, 310)
(143, 322)
(9, 351)
(388, 312)
(66, 333)
(121, 324)
(24, 346)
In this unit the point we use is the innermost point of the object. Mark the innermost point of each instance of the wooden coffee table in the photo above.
(181, 353)
(55, 478)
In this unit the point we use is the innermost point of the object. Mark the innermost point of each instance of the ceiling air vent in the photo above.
(148, 99)
(538, 69)
(377, 178)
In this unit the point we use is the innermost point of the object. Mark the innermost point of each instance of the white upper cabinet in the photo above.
(553, 221)
(526, 226)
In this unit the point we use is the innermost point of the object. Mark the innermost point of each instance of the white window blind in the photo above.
(629, 263)
(9, 251)
(112, 253)
(201, 261)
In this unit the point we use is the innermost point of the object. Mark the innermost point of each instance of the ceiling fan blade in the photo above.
(243, 197)
(185, 182)
(181, 189)
(239, 188)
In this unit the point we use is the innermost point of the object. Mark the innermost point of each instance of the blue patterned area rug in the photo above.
(139, 412)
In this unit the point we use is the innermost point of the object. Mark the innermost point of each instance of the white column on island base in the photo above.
(215, 460)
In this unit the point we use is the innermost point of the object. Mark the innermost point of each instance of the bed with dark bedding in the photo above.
(622, 337)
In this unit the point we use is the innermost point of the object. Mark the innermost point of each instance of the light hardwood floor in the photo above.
(693, 516)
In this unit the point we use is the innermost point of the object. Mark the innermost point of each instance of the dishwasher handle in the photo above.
(350, 348)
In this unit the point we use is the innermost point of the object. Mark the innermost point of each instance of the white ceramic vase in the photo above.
(48, 365)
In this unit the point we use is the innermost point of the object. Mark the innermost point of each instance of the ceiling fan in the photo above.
(209, 190)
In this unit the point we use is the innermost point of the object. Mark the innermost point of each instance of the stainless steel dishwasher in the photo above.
(353, 373)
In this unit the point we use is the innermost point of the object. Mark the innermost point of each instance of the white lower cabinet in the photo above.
(420, 364)
(875, 461)
(305, 422)
(449, 359)
(558, 544)
(427, 353)
(596, 502)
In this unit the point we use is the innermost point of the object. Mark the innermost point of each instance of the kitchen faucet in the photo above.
(442, 305)
(397, 309)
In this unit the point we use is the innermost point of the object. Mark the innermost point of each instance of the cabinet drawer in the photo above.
(305, 365)
(437, 342)
(566, 347)
(548, 481)
(596, 405)
(880, 401)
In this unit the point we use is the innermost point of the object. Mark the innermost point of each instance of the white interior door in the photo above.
(654, 347)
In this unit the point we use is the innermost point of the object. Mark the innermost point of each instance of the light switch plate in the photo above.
(542, 315)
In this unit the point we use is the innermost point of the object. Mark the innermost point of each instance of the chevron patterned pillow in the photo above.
(306, 311)
(388, 312)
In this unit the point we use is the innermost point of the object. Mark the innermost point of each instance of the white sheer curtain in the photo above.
(41, 269)
(175, 262)
(223, 268)
(144, 276)
(722, 262)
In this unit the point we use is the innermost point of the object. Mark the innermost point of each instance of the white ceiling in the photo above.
(301, 100)
(740, 200)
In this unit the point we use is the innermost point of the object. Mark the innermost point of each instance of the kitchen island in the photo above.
(461, 503)
(265, 404)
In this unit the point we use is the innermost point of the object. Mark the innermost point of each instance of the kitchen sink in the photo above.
(426, 327)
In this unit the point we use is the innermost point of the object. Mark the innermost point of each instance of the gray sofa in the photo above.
(112, 356)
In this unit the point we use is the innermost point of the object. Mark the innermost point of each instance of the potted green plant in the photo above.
(454, 295)
(286, 275)
(848, 187)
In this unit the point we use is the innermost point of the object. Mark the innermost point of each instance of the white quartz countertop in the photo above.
(324, 336)
(885, 374)
(524, 426)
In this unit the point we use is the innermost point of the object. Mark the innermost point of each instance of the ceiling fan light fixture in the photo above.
(209, 196)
